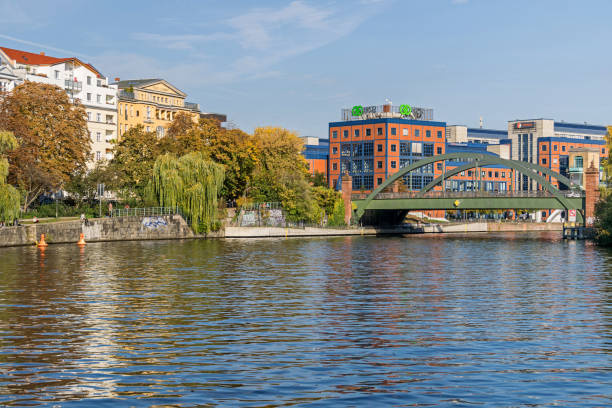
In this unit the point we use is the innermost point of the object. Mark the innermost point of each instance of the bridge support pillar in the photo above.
(591, 187)
(347, 193)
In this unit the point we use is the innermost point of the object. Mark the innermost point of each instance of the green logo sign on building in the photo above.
(357, 110)
(405, 110)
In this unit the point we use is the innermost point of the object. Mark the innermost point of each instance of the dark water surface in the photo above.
(513, 320)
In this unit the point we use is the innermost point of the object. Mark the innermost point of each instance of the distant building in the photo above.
(547, 143)
(81, 81)
(463, 134)
(316, 153)
(152, 103)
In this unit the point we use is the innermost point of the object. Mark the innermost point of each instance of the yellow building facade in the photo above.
(152, 103)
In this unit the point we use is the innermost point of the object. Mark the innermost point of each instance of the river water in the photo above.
(480, 320)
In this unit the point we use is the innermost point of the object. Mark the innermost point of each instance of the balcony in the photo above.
(192, 106)
(127, 95)
(74, 86)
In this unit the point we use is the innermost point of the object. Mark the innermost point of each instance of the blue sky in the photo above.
(296, 64)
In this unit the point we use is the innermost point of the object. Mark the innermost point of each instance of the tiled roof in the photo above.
(29, 58)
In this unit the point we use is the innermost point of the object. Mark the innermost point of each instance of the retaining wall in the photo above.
(102, 229)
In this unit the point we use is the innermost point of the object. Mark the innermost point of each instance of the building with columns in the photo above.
(81, 81)
(152, 103)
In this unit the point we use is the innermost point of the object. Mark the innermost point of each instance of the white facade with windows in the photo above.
(82, 82)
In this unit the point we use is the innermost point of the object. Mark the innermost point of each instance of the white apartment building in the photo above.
(82, 82)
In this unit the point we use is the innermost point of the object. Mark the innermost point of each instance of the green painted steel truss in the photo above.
(552, 198)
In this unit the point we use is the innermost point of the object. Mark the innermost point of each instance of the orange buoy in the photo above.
(42, 243)
(81, 240)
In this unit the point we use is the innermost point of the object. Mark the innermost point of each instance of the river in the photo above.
(446, 320)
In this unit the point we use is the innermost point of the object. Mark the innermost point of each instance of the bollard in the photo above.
(81, 240)
(42, 243)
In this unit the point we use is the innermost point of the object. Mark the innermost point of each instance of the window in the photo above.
(428, 133)
(469, 173)
(148, 112)
(439, 134)
(428, 149)
(490, 174)
(405, 132)
(89, 116)
(439, 150)
(334, 150)
(393, 147)
(98, 98)
(555, 161)
(88, 80)
(99, 82)
(555, 148)
(98, 117)
(563, 148)
(543, 147)
(368, 132)
(368, 166)
(356, 132)
(394, 131)
(463, 173)
(88, 96)
(345, 134)
(439, 165)
(483, 173)
(335, 166)
(160, 131)
(137, 113)
(56, 74)
(393, 164)
(417, 133)
(345, 150)
(417, 149)
(98, 137)
(379, 165)
(496, 174)
(379, 148)
(368, 182)
(98, 155)
(378, 181)
(379, 131)
(578, 161)
(358, 149)
(357, 183)
(368, 149)
(335, 134)
(543, 160)
(404, 149)
(603, 150)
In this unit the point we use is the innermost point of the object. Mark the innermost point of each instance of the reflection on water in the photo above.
(416, 321)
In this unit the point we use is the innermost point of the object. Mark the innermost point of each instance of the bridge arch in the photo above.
(480, 159)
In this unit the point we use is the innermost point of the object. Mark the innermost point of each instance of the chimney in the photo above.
(42, 53)
(117, 79)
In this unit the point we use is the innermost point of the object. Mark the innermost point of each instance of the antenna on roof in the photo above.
(481, 122)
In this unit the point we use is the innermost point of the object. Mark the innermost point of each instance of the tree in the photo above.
(132, 165)
(84, 184)
(181, 125)
(9, 196)
(191, 182)
(52, 136)
(332, 203)
(281, 173)
(318, 179)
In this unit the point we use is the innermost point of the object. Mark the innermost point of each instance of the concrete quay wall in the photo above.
(102, 229)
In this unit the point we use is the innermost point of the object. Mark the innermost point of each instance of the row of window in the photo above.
(405, 149)
(366, 166)
(161, 131)
(485, 173)
(459, 185)
(109, 118)
(603, 149)
(379, 132)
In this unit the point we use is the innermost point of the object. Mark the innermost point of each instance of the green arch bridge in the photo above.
(393, 206)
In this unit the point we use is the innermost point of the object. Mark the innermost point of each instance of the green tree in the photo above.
(191, 182)
(53, 140)
(603, 220)
(84, 183)
(9, 196)
(132, 165)
(281, 173)
(332, 203)
(318, 179)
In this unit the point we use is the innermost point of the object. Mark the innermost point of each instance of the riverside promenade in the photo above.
(163, 227)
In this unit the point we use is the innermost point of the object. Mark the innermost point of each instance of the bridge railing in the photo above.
(467, 194)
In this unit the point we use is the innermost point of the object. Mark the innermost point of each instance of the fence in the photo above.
(145, 212)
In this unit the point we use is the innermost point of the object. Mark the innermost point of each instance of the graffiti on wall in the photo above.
(154, 222)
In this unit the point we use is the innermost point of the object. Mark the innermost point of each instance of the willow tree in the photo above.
(9, 196)
(191, 182)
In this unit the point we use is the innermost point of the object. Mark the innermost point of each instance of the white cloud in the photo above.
(254, 41)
